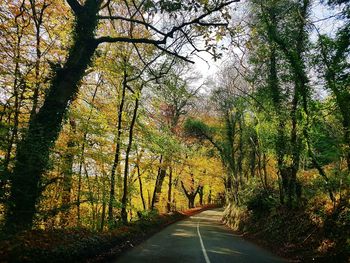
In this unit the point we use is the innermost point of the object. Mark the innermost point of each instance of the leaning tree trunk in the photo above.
(138, 160)
(159, 182)
(141, 187)
(33, 151)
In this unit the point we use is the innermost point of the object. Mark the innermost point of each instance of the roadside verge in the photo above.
(82, 245)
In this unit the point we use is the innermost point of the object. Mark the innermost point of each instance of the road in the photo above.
(200, 238)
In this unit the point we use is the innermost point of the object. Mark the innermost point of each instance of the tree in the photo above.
(228, 101)
(192, 192)
(28, 22)
(174, 95)
(287, 43)
(34, 149)
(334, 68)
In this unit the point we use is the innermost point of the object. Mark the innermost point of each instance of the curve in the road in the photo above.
(200, 238)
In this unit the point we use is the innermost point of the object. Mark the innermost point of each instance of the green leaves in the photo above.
(170, 6)
(197, 129)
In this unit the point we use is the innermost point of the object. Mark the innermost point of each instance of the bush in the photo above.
(147, 215)
(261, 202)
(79, 245)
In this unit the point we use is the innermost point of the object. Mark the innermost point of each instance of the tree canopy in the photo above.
(106, 118)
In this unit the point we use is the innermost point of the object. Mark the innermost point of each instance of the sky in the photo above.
(208, 68)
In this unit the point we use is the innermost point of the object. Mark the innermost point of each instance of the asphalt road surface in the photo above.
(200, 238)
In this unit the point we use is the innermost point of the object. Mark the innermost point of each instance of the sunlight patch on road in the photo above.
(204, 218)
(183, 233)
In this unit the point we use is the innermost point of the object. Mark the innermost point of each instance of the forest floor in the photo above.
(83, 245)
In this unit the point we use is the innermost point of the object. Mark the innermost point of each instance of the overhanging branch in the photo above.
(108, 39)
(144, 23)
(164, 35)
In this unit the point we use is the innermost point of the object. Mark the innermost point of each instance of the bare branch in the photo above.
(212, 24)
(165, 35)
(146, 64)
(147, 25)
(198, 19)
(108, 39)
(174, 54)
(106, 5)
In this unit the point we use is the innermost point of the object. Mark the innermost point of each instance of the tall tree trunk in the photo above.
(68, 160)
(170, 184)
(38, 20)
(123, 214)
(104, 203)
(264, 167)
(260, 172)
(91, 198)
(141, 188)
(240, 148)
(149, 197)
(33, 151)
(16, 88)
(14, 133)
(81, 161)
(156, 190)
(276, 98)
(159, 186)
(201, 194)
(253, 154)
(117, 151)
(140, 179)
(209, 196)
(295, 58)
(159, 183)
(293, 169)
(232, 176)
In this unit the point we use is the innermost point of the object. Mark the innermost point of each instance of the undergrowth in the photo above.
(78, 245)
(316, 230)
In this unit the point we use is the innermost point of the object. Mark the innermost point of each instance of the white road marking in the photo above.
(202, 245)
